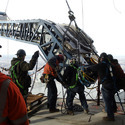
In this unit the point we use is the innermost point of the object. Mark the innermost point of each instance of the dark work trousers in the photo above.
(71, 94)
(108, 97)
(114, 105)
(24, 94)
(52, 94)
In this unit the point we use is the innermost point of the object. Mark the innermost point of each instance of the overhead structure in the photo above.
(3, 16)
(51, 38)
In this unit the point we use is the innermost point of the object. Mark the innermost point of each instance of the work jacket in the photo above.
(49, 70)
(21, 69)
(12, 105)
(104, 76)
(51, 65)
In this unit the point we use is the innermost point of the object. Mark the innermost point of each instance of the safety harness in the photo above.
(73, 86)
(14, 74)
(80, 78)
(108, 71)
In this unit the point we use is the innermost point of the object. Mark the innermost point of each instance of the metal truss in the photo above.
(51, 38)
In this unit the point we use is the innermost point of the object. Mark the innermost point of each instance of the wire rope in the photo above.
(6, 6)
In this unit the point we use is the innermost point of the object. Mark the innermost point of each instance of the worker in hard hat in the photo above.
(20, 68)
(50, 73)
(71, 78)
(103, 69)
(12, 105)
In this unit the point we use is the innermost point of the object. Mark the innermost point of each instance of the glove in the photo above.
(35, 55)
(42, 79)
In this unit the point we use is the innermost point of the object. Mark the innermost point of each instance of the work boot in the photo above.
(108, 119)
(70, 112)
(53, 110)
(86, 111)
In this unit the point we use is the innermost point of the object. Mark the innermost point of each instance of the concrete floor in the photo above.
(43, 117)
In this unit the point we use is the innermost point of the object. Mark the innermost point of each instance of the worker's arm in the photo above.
(29, 66)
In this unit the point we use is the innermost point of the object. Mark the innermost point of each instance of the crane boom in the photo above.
(48, 36)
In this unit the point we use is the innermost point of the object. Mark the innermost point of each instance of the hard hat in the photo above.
(21, 52)
(61, 57)
(103, 55)
(110, 57)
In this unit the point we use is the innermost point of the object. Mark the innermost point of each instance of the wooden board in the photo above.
(34, 102)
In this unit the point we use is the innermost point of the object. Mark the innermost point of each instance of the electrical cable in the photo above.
(34, 77)
(63, 102)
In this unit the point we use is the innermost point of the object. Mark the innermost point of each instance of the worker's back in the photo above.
(12, 105)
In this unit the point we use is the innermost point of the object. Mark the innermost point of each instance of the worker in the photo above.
(70, 77)
(19, 70)
(50, 73)
(12, 105)
(119, 75)
(108, 90)
(114, 64)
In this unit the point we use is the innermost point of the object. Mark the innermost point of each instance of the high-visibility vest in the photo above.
(49, 70)
(11, 114)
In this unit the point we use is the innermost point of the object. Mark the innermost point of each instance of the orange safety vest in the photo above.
(49, 70)
(12, 105)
